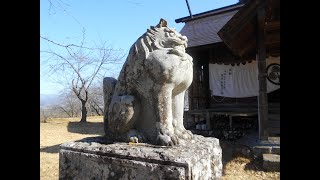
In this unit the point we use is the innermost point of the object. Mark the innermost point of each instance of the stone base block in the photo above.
(271, 162)
(92, 158)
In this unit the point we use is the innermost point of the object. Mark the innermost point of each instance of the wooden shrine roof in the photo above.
(239, 33)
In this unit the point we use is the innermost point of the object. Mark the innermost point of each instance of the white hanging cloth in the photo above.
(242, 81)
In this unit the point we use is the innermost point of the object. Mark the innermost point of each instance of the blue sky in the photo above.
(119, 22)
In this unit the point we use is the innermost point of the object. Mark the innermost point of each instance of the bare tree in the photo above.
(69, 104)
(96, 98)
(43, 115)
(51, 111)
(76, 67)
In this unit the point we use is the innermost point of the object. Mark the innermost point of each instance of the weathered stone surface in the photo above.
(91, 159)
(271, 162)
(275, 140)
(147, 103)
(259, 150)
(109, 84)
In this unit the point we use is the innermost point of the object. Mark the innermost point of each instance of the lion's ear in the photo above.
(162, 23)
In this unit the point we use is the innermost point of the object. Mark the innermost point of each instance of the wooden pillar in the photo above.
(262, 74)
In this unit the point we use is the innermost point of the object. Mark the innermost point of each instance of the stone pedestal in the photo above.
(92, 158)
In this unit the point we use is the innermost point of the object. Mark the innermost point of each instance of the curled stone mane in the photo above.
(147, 42)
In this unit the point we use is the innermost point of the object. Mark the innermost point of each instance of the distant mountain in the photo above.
(48, 99)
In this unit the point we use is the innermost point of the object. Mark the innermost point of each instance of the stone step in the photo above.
(266, 149)
(274, 139)
(258, 147)
(271, 162)
(269, 152)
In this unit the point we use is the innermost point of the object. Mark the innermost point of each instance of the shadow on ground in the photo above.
(86, 128)
(51, 149)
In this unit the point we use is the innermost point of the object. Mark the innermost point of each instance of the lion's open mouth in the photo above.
(180, 43)
(181, 48)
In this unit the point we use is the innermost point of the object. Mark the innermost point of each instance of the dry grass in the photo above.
(238, 167)
(242, 168)
(57, 131)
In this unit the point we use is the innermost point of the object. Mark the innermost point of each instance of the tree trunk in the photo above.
(83, 112)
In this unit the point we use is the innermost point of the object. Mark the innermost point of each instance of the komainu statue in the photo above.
(146, 103)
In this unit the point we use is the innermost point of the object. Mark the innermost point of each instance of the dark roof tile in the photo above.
(204, 31)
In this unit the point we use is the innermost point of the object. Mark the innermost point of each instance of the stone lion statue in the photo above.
(146, 103)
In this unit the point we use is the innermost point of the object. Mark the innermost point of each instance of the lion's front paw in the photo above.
(167, 140)
(184, 134)
(135, 136)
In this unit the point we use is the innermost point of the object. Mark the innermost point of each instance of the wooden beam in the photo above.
(262, 73)
(273, 26)
(273, 39)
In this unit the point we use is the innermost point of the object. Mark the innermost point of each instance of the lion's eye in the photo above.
(167, 30)
(172, 34)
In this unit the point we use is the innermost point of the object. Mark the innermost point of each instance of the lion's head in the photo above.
(162, 37)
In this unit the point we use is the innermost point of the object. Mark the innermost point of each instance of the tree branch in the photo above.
(74, 45)
(64, 111)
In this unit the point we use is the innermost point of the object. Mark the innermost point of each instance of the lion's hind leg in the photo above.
(123, 113)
